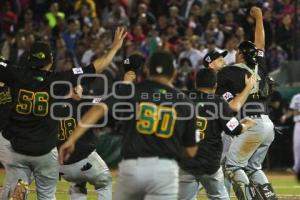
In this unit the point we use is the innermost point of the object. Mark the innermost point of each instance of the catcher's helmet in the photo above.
(248, 49)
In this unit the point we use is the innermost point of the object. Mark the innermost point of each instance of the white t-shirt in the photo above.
(194, 55)
(295, 105)
(230, 57)
(87, 57)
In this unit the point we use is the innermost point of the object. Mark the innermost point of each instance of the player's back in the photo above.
(209, 108)
(31, 129)
(163, 122)
(76, 108)
(30, 126)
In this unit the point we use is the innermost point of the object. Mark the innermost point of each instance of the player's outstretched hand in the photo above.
(65, 151)
(256, 13)
(120, 35)
(250, 82)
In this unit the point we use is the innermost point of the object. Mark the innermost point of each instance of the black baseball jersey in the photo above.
(213, 117)
(160, 120)
(87, 143)
(231, 81)
(5, 105)
(31, 128)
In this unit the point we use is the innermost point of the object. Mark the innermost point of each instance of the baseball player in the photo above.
(85, 165)
(216, 61)
(295, 111)
(33, 133)
(213, 116)
(247, 151)
(162, 130)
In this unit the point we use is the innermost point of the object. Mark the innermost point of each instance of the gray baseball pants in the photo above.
(150, 178)
(247, 152)
(213, 184)
(98, 175)
(44, 169)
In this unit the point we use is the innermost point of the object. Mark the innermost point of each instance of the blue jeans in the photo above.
(189, 185)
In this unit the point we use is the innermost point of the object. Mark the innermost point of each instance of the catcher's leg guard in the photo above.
(264, 192)
(263, 188)
(240, 183)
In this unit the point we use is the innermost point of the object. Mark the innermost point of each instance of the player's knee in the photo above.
(236, 174)
(103, 180)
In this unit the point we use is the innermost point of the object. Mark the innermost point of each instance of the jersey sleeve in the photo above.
(223, 87)
(229, 123)
(261, 61)
(73, 74)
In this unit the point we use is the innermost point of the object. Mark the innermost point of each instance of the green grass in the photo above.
(284, 184)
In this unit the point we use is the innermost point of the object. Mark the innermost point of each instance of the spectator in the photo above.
(284, 34)
(187, 6)
(213, 32)
(72, 34)
(113, 14)
(137, 34)
(9, 19)
(143, 10)
(90, 3)
(194, 55)
(231, 46)
(53, 14)
(89, 53)
(229, 25)
(240, 34)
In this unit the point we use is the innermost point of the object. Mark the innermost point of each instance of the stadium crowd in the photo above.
(81, 30)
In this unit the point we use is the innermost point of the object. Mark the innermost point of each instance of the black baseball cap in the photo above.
(161, 63)
(206, 78)
(134, 62)
(40, 55)
(213, 55)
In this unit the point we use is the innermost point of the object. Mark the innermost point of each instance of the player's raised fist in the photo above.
(256, 12)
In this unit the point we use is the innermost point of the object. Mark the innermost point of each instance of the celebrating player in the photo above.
(32, 132)
(248, 150)
(154, 139)
(213, 116)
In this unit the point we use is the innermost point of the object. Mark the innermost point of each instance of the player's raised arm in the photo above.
(90, 118)
(102, 62)
(259, 41)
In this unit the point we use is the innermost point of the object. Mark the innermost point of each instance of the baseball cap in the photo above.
(161, 63)
(206, 78)
(134, 62)
(213, 55)
(39, 55)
